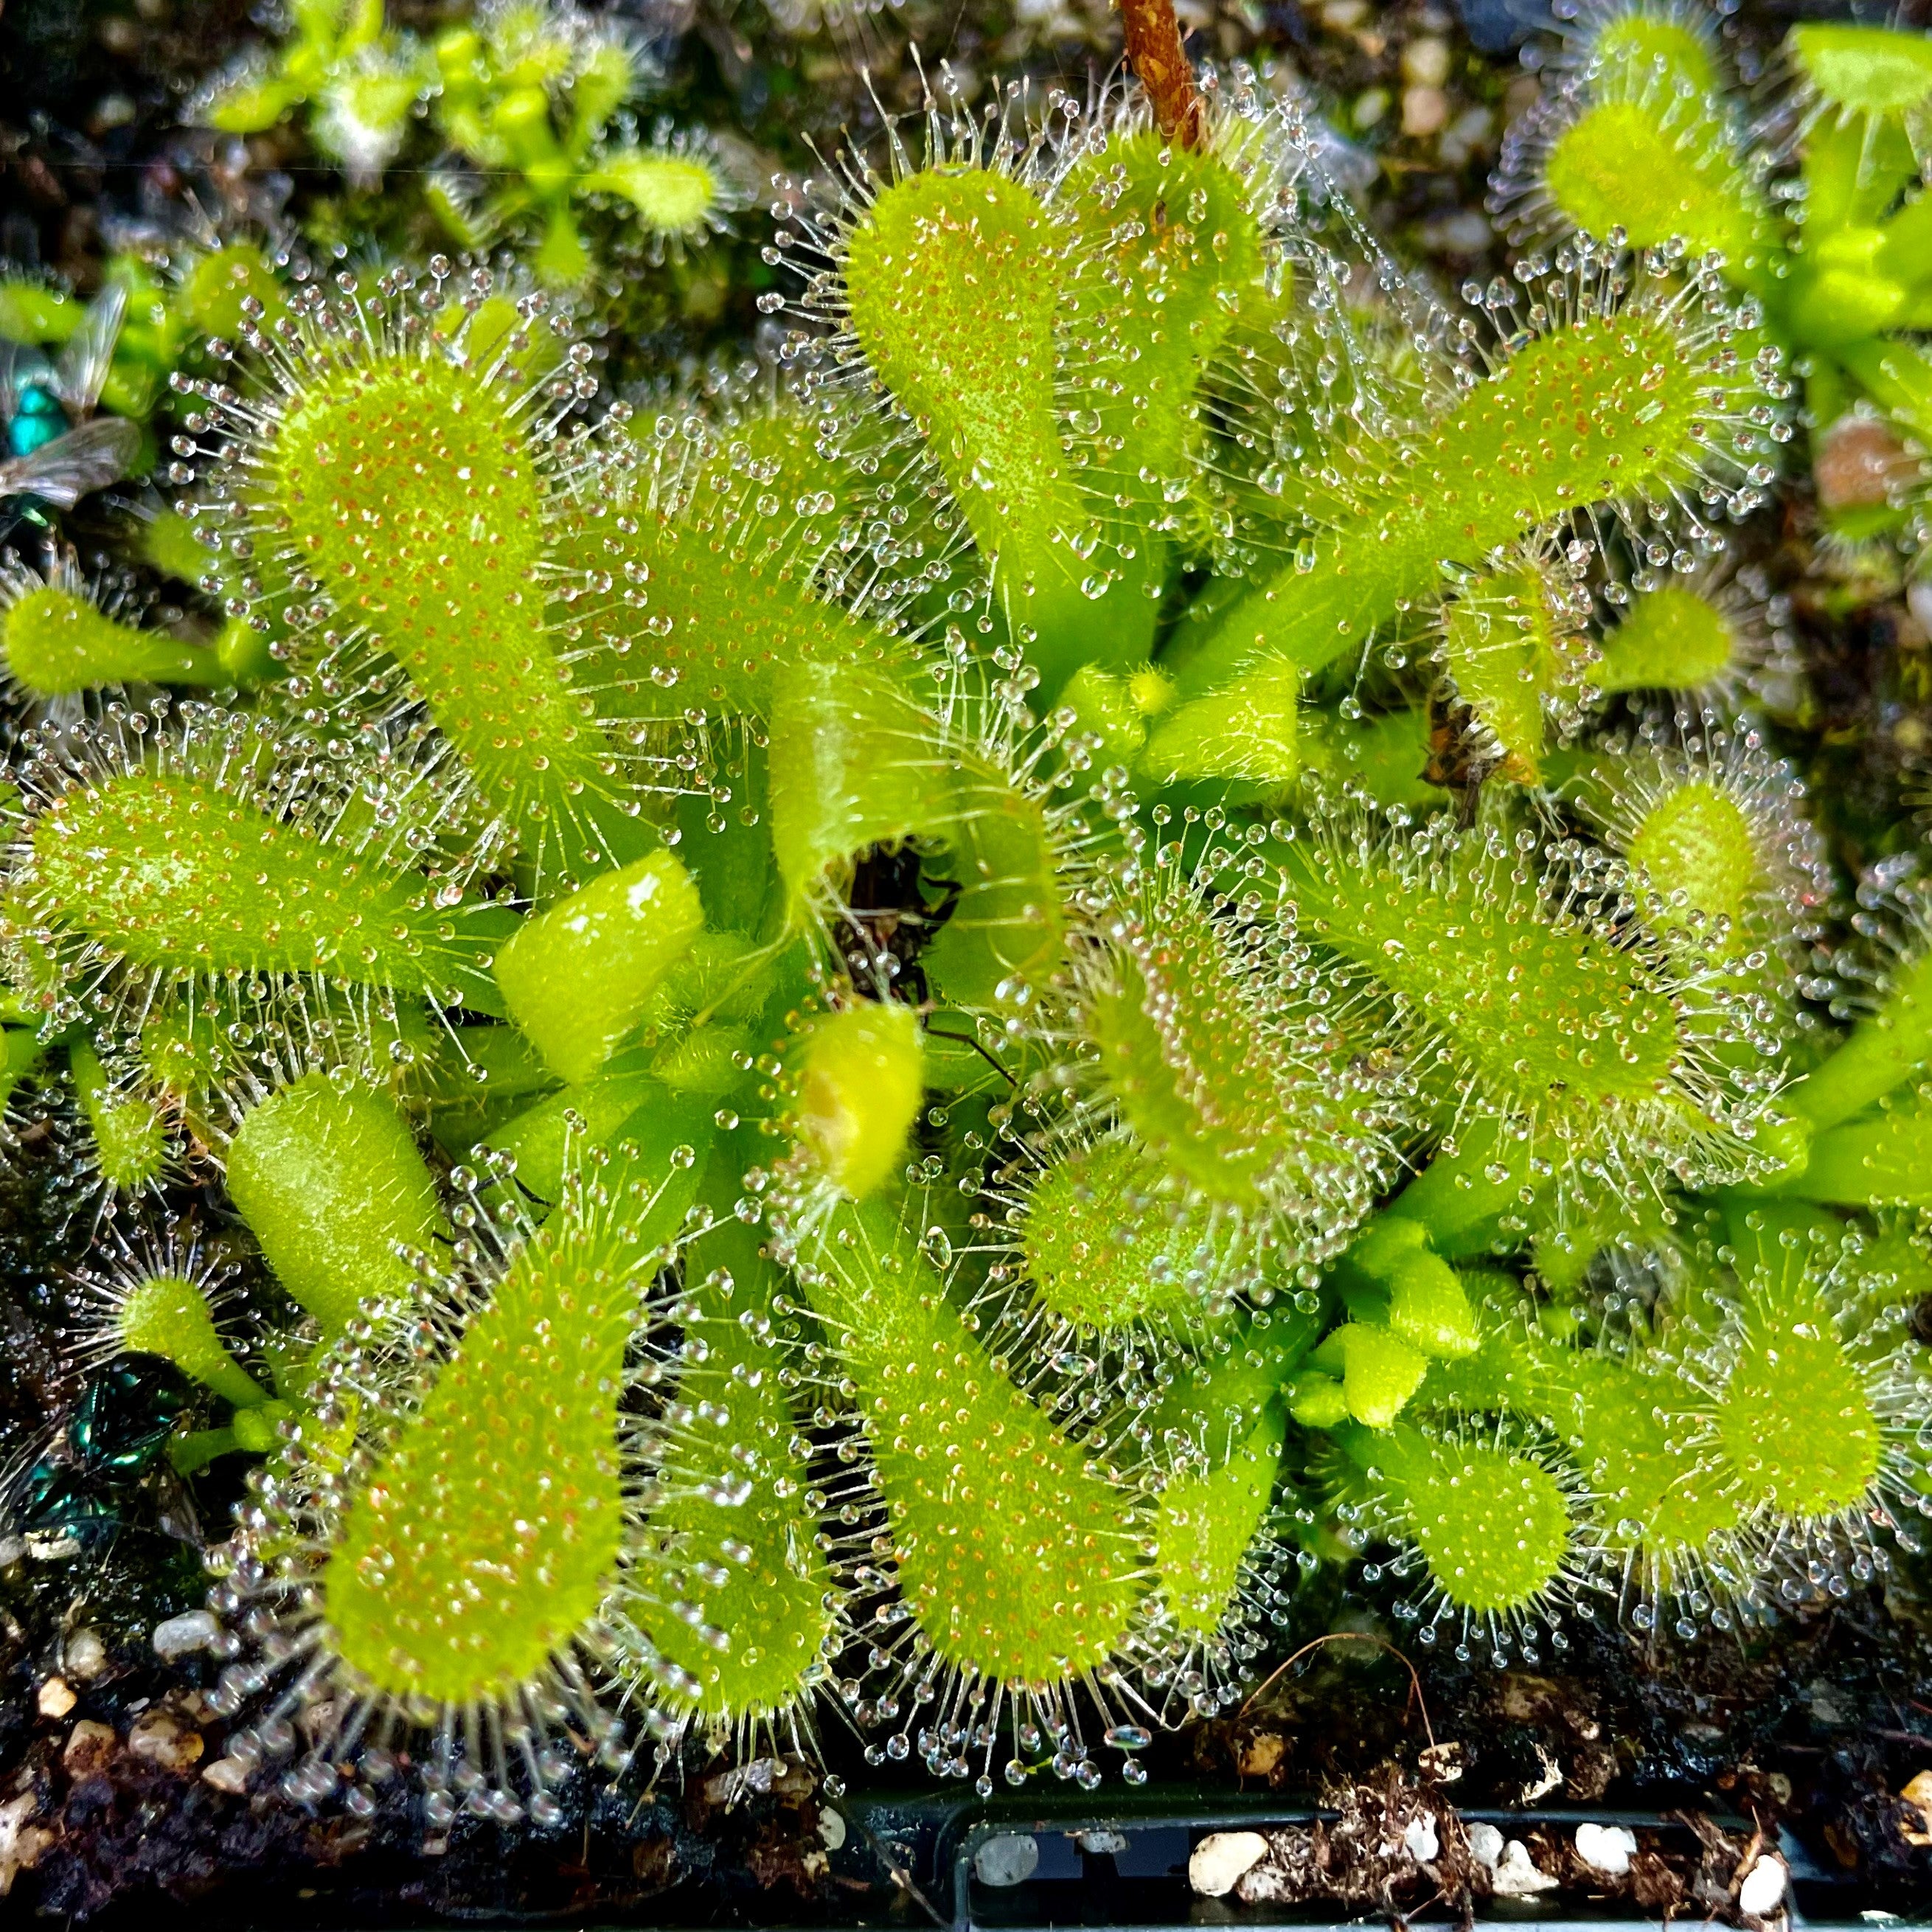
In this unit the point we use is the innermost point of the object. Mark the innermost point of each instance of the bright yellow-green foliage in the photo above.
(1195, 1055)
(1509, 653)
(1658, 1488)
(1016, 1553)
(331, 1182)
(481, 1545)
(409, 487)
(1606, 409)
(722, 611)
(1619, 166)
(954, 282)
(1492, 1524)
(129, 1130)
(1696, 840)
(168, 1316)
(1206, 1525)
(583, 974)
(735, 1501)
(1548, 1017)
(1638, 51)
(171, 871)
(56, 644)
(1102, 1247)
(1671, 640)
(859, 1086)
(1795, 1420)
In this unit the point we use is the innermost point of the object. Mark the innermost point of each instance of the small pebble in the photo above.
(86, 1655)
(1919, 601)
(1222, 1859)
(1425, 63)
(1486, 1845)
(88, 1746)
(1371, 104)
(1763, 1892)
(56, 1699)
(1516, 1875)
(1607, 1849)
(831, 1830)
(1103, 1844)
(1419, 1839)
(1425, 110)
(1011, 1859)
(1343, 14)
(1470, 130)
(155, 1738)
(12, 1548)
(231, 1775)
(182, 1635)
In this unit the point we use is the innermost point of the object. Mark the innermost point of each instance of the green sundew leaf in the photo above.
(1167, 243)
(1796, 1420)
(30, 312)
(1103, 1248)
(1513, 651)
(1016, 1554)
(1643, 166)
(169, 543)
(485, 1539)
(1386, 756)
(1381, 1370)
(674, 194)
(1247, 736)
(597, 1114)
(1839, 293)
(860, 1083)
(1193, 1046)
(1883, 1158)
(604, 78)
(1639, 51)
(1671, 639)
(709, 606)
(413, 493)
(1205, 1525)
(1546, 1017)
(56, 643)
(953, 281)
(21, 1051)
(331, 1185)
(167, 870)
(250, 106)
(1864, 70)
(1600, 409)
(1898, 376)
(219, 281)
(1492, 1525)
(129, 1127)
(168, 1316)
(1653, 1485)
(1884, 1050)
(1008, 924)
(735, 1487)
(854, 762)
(1499, 1377)
(1695, 851)
(580, 976)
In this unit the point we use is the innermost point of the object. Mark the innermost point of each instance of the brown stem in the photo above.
(1156, 56)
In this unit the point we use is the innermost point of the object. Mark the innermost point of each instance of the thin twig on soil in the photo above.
(1351, 1636)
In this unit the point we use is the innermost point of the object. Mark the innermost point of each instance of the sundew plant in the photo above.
(909, 1030)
